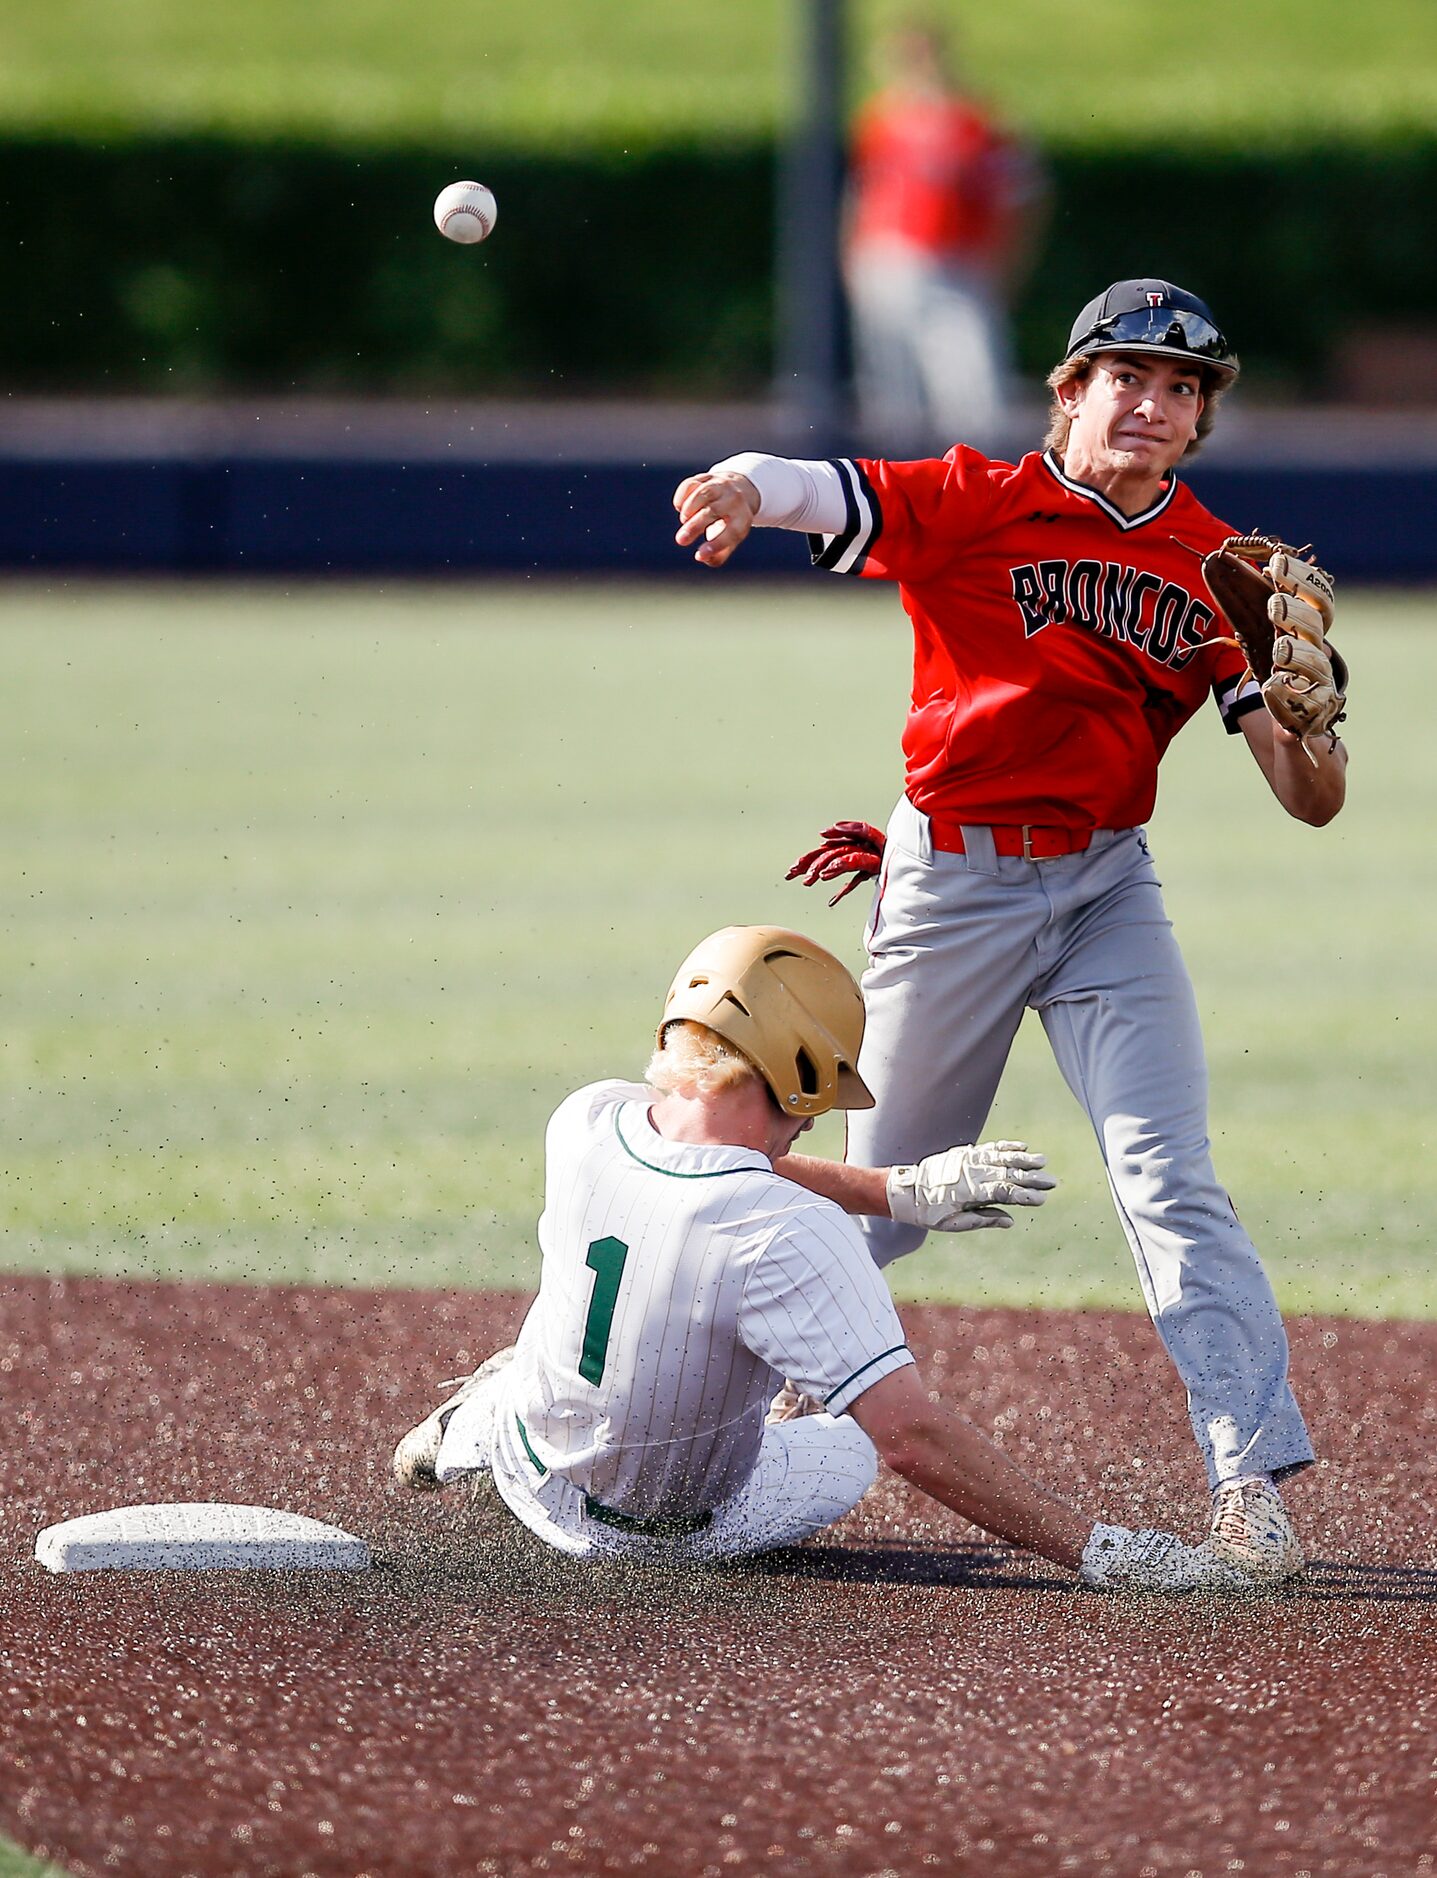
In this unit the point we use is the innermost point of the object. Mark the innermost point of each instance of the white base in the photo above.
(206, 1535)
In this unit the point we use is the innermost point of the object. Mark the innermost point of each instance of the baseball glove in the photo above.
(1279, 606)
(846, 848)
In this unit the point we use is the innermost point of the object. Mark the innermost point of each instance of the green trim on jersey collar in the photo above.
(713, 1173)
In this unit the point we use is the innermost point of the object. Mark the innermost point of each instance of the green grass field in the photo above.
(316, 903)
(17, 1864)
(575, 71)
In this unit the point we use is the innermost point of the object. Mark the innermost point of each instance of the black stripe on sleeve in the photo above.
(875, 512)
(1232, 718)
(1235, 708)
(828, 550)
(882, 1356)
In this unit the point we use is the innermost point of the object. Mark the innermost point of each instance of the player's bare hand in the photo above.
(964, 1189)
(716, 510)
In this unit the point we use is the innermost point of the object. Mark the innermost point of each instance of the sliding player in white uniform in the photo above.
(688, 1268)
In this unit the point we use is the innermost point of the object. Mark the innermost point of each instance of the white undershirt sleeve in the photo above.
(807, 495)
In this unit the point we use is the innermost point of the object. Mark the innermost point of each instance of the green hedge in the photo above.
(1292, 249)
(203, 265)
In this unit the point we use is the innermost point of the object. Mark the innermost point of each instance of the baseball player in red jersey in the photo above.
(1062, 637)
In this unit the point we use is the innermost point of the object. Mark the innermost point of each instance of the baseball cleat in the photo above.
(417, 1455)
(1251, 1530)
(791, 1404)
(1115, 1559)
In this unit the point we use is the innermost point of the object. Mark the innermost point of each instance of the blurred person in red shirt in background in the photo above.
(944, 209)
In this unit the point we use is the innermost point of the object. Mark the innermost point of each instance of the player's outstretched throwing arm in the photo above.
(718, 508)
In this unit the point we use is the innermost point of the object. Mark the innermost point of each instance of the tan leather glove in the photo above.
(1279, 607)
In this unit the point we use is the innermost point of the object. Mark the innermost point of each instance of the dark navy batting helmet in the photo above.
(1152, 316)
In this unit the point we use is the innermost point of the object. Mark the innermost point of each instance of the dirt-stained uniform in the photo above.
(1060, 644)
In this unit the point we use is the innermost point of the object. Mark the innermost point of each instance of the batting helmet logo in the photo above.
(1152, 316)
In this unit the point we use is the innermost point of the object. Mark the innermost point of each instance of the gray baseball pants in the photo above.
(959, 946)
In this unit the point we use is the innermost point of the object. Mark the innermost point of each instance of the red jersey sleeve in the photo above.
(909, 521)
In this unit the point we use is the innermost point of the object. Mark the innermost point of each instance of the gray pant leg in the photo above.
(950, 963)
(1119, 1011)
(963, 354)
(885, 291)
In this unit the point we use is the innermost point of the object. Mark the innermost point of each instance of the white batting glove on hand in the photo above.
(1117, 1559)
(964, 1189)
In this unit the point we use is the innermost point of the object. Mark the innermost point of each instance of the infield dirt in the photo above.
(901, 1697)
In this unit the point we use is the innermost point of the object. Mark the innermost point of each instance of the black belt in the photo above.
(674, 1527)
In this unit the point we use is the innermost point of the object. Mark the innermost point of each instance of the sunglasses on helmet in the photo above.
(1157, 327)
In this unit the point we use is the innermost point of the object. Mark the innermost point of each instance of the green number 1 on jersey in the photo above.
(605, 1259)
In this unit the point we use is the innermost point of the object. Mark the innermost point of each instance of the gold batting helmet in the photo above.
(792, 1008)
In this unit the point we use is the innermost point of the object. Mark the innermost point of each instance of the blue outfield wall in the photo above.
(290, 515)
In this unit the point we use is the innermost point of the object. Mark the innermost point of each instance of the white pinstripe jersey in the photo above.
(679, 1283)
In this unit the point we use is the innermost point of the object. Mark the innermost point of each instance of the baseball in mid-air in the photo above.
(465, 212)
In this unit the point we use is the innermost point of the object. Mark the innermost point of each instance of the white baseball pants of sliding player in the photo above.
(959, 946)
(809, 1474)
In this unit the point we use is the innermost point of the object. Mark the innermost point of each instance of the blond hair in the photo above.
(693, 1060)
(1074, 371)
